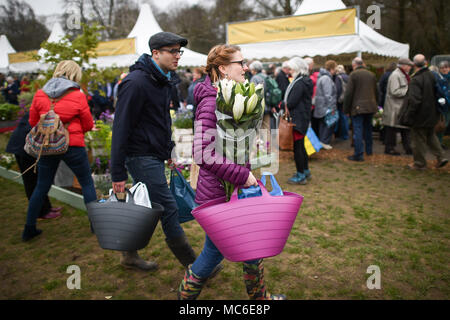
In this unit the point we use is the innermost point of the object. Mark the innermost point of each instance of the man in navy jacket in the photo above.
(141, 139)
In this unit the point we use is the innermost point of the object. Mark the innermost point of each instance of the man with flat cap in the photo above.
(396, 91)
(142, 138)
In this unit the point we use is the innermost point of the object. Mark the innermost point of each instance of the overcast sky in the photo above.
(49, 7)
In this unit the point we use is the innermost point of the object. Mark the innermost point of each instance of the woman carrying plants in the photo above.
(219, 174)
(72, 107)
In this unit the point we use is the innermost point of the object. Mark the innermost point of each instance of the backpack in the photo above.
(49, 137)
(273, 94)
(344, 87)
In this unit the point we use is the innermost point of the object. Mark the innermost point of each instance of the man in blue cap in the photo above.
(142, 138)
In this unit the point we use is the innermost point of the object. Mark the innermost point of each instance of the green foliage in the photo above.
(100, 165)
(25, 99)
(8, 111)
(7, 160)
(80, 50)
(100, 137)
(184, 120)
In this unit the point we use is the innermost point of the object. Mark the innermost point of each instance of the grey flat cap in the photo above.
(162, 39)
(405, 61)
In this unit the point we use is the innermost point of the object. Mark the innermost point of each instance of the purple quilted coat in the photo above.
(213, 167)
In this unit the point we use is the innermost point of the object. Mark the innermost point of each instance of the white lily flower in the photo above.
(251, 103)
(259, 86)
(238, 107)
(227, 89)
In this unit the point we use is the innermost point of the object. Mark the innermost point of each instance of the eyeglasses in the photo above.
(241, 62)
(173, 51)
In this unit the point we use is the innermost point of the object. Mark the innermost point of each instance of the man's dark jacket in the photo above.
(361, 93)
(142, 123)
(421, 99)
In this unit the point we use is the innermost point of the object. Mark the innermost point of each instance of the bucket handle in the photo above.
(276, 189)
(130, 196)
(265, 193)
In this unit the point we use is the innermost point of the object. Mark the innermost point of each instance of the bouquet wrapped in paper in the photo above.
(240, 110)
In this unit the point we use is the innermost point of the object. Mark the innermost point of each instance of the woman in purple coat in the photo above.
(224, 61)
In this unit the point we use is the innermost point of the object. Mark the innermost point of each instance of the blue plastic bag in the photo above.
(184, 196)
(276, 189)
(249, 192)
(256, 191)
(331, 118)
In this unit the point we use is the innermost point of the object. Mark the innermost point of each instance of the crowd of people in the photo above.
(324, 99)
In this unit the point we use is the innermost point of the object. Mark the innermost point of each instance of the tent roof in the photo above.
(5, 49)
(56, 35)
(314, 6)
(146, 26)
(368, 40)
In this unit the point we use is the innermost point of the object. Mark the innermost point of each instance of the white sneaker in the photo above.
(326, 146)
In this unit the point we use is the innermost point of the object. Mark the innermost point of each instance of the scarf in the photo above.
(408, 78)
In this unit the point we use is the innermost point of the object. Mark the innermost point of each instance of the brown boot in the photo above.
(131, 259)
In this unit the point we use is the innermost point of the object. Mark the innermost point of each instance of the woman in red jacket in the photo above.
(72, 108)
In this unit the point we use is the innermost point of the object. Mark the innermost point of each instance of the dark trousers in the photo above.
(362, 134)
(422, 140)
(150, 170)
(390, 138)
(321, 129)
(30, 180)
(77, 160)
(300, 156)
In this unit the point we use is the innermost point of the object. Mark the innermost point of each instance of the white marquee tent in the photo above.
(56, 35)
(368, 40)
(146, 26)
(5, 49)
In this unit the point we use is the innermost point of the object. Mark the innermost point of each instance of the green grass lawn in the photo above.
(353, 216)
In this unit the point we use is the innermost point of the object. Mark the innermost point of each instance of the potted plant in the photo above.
(183, 134)
(100, 169)
(8, 115)
(99, 139)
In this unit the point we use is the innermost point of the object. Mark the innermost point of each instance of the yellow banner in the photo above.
(106, 48)
(116, 47)
(326, 24)
(24, 56)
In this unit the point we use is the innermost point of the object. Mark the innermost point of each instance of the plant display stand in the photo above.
(183, 139)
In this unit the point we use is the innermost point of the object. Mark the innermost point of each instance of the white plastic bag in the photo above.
(140, 195)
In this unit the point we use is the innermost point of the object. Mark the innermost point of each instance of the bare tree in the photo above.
(18, 22)
(273, 8)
